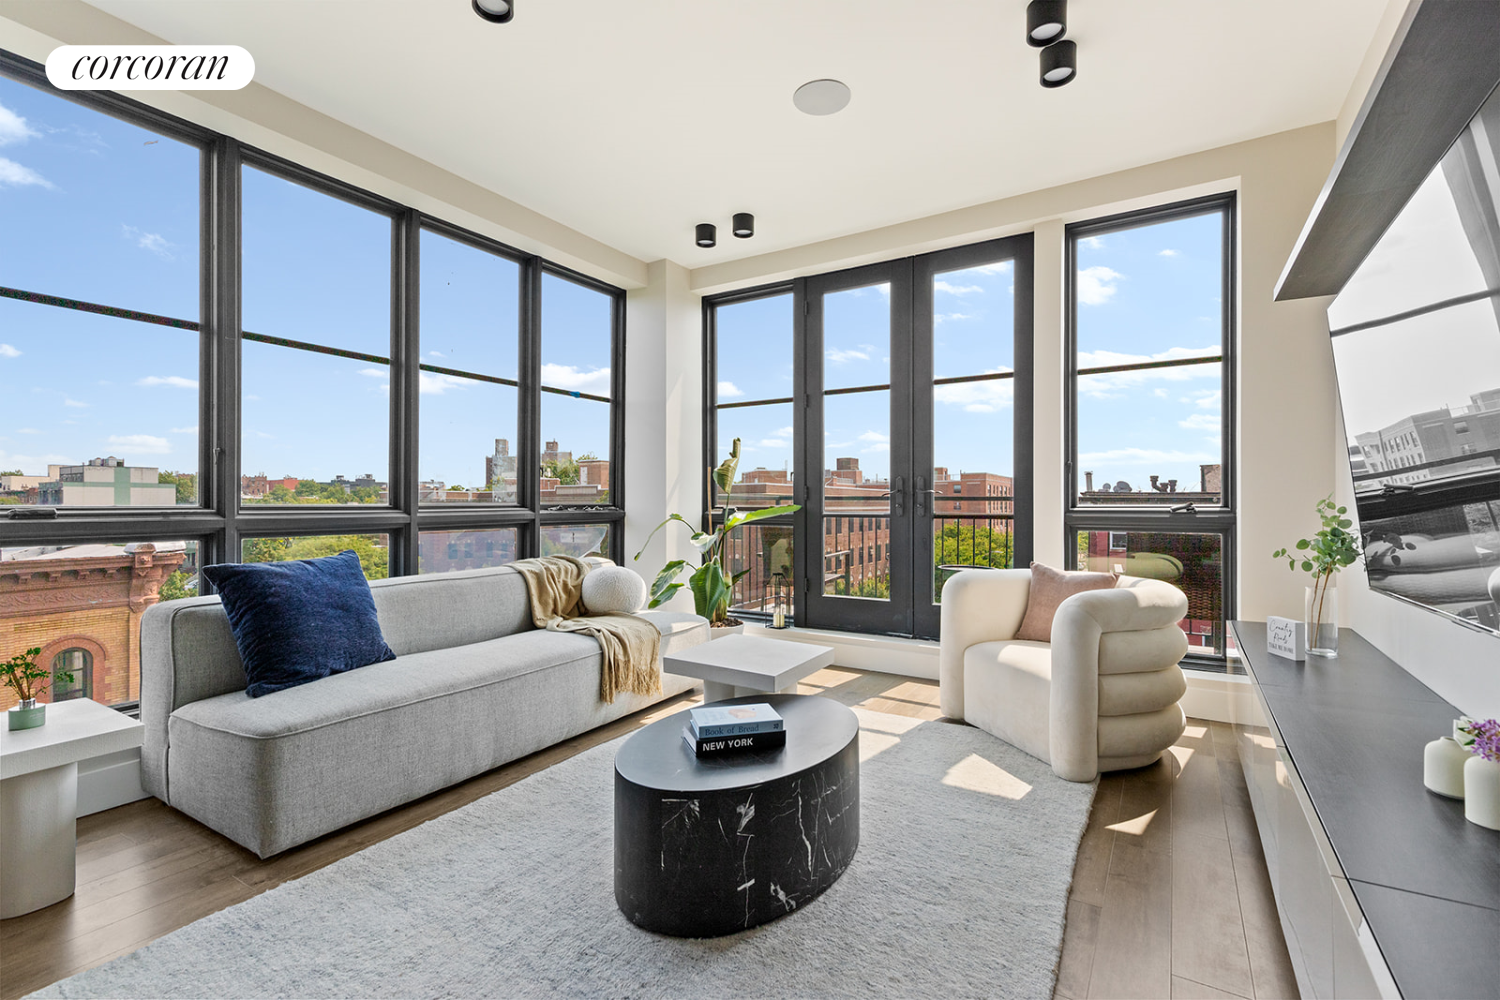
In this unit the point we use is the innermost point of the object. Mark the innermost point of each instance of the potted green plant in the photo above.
(21, 673)
(712, 583)
(1323, 555)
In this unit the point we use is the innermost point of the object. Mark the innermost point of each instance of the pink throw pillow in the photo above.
(1049, 588)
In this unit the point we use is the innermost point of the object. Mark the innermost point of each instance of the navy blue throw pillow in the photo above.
(294, 622)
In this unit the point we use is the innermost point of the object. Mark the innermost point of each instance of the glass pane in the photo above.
(373, 550)
(577, 337)
(1446, 558)
(446, 551)
(80, 606)
(857, 337)
(468, 431)
(471, 314)
(314, 421)
(1151, 438)
(575, 450)
(765, 473)
(765, 550)
(576, 540)
(315, 268)
(105, 407)
(109, 210)
(1193, 563)
(1151, 293)
(754, 349)
(973, 321)
(971, 540)
(857, 556)
(857, 450)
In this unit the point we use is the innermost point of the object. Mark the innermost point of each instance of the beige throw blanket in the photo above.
(629, 646)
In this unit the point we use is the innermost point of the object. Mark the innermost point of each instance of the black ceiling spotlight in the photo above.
(1059, 64)
(744, 225)
(496, 11)
(708, 235)
(1046, 21)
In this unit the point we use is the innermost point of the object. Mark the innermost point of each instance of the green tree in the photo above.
(876, 587)
(366, 494)
(565, 473)
(374, 559)
(186, 483)
(11, 472)
(175, 587)
(958, 545)
(281, 494)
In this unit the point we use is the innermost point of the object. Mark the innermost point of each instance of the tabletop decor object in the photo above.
(28, 680)
(1443, 763)
(1482, 774)
(1323, 555)
(713, 582)
(1286, 637)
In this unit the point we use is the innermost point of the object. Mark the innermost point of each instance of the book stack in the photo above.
(728, 729)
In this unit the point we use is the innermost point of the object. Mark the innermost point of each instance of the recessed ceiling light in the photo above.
(498, 11)
(821, 97)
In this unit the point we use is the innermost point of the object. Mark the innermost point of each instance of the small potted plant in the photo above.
(21, 673)
(712, 582)
(1323, 555)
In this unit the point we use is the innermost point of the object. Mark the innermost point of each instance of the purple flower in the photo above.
(1486, 738)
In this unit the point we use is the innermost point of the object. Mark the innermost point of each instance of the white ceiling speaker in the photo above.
(821, 97)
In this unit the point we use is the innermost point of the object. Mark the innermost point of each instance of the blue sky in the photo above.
(1145, 294)
(110, 213)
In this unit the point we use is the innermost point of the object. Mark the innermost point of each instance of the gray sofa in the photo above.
(473, 686)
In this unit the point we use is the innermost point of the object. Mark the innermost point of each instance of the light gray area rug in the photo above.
(959, 889)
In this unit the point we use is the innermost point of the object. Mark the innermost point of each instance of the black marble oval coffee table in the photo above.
(713, 845)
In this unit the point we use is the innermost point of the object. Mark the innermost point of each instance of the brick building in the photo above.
(82, 605)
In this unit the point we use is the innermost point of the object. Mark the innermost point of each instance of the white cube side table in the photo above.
(743, 665)
(39, 799)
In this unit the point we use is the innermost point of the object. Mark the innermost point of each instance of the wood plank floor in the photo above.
(1170, 895)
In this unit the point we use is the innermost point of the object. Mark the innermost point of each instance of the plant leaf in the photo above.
(724, 474)
(666, 594)
(664, 580)
(745, 517)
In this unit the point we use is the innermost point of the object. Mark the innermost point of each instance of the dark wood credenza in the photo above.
(1383, 888)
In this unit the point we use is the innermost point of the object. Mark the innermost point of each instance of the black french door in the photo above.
(914, 455)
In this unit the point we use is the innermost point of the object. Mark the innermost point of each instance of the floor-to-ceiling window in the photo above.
(1150, 307)
(892, 402)
(211, 354)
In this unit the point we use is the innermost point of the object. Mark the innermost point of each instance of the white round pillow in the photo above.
(613, 588)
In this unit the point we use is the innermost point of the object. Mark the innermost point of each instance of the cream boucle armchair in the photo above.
(1101, 696)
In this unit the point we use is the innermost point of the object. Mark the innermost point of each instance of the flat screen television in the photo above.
(1416, 342)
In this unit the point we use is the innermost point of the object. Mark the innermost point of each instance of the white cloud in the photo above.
(263, 434)
(10, 460)
(782, 432)
(373, 372)
(1159, 393)
(1096, 285)
(875, 441)
(433, 384)
(252, 397)
(185, 430)
(1200, 422)
(595, 380)
(6, 351)
(1147, 456)
(175, 381)
(14, 174)
(999, 267)
(1166, 253)
(978, 397)
(839, 357)
(28, 430)
(774, 443)
(1209, 399)
(436, 354)
(945, 317)
(139, 444)
(728, 390)
(75, 404)
(943, 286)
(1093, 242)
(154, 242)
(13, 127)
(1107, 385)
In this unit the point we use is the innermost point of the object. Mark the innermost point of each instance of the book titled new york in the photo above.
(715, 745)
(734, 720)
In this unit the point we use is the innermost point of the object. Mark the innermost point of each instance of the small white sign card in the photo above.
(1286, 637)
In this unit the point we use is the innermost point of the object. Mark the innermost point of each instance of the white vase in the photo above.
(1482, 792)
(1321, 613)
(1443, 767)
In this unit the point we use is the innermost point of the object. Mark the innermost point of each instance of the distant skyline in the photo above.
(111, 216)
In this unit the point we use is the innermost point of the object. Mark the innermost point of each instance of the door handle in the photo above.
(921, 497)
(898, 496)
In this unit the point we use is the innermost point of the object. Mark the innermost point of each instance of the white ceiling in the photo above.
(631, 120)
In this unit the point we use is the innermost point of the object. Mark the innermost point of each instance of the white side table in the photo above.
(39, 798)
(744, 665)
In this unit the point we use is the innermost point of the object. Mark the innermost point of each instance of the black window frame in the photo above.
(219, 522)
(1218, 520)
